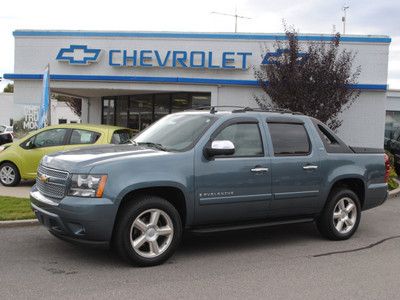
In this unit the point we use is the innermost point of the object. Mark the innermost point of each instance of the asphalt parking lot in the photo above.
(278, 263)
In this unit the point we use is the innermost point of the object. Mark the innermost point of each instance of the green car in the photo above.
(19, 160)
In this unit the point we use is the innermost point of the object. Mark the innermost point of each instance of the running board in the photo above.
(222, 228)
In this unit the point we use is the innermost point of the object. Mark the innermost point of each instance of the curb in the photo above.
(18, 223)
(395, 193)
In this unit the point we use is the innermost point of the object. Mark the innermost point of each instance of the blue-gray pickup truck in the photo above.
(208, 170)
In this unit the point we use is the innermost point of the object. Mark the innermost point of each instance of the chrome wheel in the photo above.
(7, 175)
(345, 215)
(151, 233)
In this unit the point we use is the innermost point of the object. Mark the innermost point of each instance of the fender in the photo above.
(188, 195)
(340, 173)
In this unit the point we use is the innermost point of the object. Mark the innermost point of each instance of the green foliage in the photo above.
(12, 208)
(9, 88)
(392, 183)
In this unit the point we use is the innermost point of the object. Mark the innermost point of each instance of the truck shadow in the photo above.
(268, 237)
(196, 246)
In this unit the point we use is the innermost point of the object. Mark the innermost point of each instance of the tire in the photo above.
(339, 221)
(137, 225)
(9, 174)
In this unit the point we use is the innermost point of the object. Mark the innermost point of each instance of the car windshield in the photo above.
(175, 132)
(2, 128)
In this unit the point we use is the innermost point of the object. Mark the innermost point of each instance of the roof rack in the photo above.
(213, 109)
(240, 109)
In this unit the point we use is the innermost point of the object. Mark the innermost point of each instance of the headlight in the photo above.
(85, 185)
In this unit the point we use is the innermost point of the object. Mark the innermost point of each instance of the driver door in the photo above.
(234, 187)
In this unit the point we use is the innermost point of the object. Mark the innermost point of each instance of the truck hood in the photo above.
(83, 159)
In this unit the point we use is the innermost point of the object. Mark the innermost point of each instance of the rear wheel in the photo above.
(9, 174)
(341, 216)
(148, 231)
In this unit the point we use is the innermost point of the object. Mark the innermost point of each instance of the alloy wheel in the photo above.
(7, 175)
(345, 215)
(151, 233)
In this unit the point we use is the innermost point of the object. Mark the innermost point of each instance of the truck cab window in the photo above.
(289, 139)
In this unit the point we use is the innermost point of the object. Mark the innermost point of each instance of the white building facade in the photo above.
(134, 78)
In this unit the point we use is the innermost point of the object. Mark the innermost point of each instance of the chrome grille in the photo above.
(56, 183)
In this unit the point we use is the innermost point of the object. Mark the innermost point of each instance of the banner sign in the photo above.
(43, 118)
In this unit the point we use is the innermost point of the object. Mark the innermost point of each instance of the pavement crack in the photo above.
(59, 271)
(358, 249)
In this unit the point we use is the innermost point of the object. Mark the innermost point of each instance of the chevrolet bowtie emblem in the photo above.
(44, 178)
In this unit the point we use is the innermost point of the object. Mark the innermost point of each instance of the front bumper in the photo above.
(76, 219)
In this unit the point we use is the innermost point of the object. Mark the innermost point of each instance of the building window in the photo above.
(62, 121)
(108, 111)
(139, 111)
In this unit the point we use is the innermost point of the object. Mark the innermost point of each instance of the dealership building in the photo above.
(134, 78)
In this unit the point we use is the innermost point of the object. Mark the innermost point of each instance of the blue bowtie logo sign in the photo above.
(78, 55)
(270, 57)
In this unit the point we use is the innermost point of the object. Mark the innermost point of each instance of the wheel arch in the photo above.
(173, 194)
(354, 183)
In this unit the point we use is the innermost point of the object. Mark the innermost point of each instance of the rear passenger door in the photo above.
(295, 167)
(81, 137)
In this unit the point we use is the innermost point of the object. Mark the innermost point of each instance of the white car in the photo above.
(7, 129)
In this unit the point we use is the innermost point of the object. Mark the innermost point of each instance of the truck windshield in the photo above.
(175, 132)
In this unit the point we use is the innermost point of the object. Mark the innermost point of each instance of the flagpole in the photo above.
(49, 93)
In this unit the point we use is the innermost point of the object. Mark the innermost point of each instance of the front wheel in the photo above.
(148, 232)
(9, 174)
(341, 216)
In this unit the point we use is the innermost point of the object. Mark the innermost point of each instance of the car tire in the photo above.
(341, 215)
(9, 174)
(148, 231)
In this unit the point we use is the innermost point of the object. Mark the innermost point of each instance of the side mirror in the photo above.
(29, 145)
(223, 147)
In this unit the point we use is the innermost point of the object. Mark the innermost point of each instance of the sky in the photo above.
(308, 16)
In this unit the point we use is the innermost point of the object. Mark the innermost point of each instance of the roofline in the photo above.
(153, 79)
(199, 35)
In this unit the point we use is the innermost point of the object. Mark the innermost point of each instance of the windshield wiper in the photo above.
(150, 144)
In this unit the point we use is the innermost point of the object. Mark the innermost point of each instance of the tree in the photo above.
(74, 103)
(314, 79)
(9, 88)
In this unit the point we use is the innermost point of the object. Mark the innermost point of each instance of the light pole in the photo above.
(345, 8)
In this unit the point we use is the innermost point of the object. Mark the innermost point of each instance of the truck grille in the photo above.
(51, 183)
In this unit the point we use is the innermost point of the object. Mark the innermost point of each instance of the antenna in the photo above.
(344, 8)
(236, 16)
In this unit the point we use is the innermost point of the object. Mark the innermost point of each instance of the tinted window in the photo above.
(289, 139)
(245, 137)
(50, 138)
(121, 136)
(331, 142)
(79, 136)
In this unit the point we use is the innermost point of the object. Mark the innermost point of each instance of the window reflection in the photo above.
(139, 111)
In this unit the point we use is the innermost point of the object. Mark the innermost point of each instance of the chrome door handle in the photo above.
(257, 169)
(310, 167)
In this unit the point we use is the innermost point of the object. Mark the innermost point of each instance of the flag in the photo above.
(43, 118)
